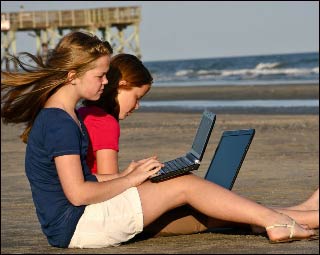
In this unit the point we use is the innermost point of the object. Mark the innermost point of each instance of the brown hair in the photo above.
(23, 94)
(122, 67)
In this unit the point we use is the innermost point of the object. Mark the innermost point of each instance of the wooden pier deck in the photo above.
(117, 25)
(70, 19)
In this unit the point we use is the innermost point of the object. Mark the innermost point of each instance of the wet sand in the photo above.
(243, 92)
(280, 169)
(284, 91)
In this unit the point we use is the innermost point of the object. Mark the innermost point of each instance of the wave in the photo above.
(262, 66)
(265, 69)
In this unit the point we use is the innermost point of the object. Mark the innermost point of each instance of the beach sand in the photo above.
(243, 92)
(280, 169)
(235, 92)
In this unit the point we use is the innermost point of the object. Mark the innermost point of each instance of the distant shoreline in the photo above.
(239, 92)
(238, 110)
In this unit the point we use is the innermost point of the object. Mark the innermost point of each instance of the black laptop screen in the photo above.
(203, 133)
(229, 156)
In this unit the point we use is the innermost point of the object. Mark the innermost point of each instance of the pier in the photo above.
(118, 25)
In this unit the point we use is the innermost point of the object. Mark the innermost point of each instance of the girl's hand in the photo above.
(135, 164)
(144, 160)
(143, 170)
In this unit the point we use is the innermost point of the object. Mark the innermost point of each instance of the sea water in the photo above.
(263, 69)
(298, 68)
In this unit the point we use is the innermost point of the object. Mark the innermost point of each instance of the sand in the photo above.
(280, 169)
(243, 92)
(284, 91)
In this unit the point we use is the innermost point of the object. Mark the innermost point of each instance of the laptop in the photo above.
(190, 161)
(228, 157)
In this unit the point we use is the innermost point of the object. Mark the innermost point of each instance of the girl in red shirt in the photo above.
(129, 80)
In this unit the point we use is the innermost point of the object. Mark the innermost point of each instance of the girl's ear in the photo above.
(71, 77)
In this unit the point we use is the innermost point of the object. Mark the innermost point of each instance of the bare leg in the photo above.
(312, 203)
(310, 218)
(306, 213)
(179, 221)
(186, 220)
(213, 201)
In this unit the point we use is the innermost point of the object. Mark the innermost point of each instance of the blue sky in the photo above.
(184, 30)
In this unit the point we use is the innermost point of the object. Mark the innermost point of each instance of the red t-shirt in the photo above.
(103, 130)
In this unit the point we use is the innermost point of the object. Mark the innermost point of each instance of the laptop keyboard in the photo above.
(174, 168)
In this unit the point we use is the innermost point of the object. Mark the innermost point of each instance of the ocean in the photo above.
(254, 70)
(298, 68)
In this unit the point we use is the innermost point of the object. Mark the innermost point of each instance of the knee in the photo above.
(184, 184)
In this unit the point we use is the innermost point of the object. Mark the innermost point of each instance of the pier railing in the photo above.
(69, 19)
(118, 25)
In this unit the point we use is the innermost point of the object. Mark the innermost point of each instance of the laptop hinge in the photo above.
(192, 158)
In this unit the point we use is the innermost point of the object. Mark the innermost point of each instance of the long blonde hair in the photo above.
(23, 94)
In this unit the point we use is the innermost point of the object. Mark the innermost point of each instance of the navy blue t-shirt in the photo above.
(55, 133)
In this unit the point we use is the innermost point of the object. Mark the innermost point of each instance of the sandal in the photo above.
(291, 238)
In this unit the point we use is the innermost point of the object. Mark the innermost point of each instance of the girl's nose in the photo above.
(105, 80)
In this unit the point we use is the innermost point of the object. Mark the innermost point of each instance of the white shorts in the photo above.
(109, 223)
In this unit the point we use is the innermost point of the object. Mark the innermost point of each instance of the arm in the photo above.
(125, 172)
(81, 192)
(107, 161)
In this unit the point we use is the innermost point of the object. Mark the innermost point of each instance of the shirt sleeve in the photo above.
(104, 132)
(62, 137)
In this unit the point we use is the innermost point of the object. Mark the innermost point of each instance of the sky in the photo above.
(203, 29)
